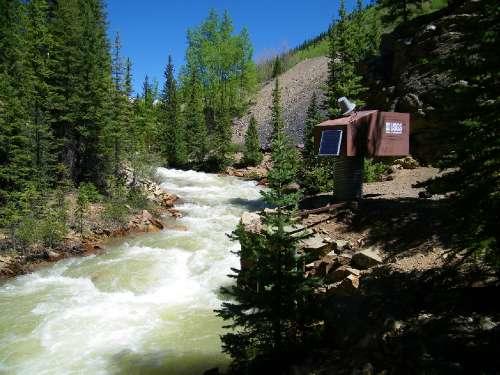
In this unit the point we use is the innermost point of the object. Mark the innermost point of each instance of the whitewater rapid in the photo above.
(145, 306)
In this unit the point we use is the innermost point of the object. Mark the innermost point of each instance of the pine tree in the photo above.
(277, 67)
(196, 128)
(473, 160)
(116, 130)
(15, 164)
(343, 80)
(271, 302)
(39, 46)
(174, 137)
(312, 119)
(146, 122)
(80, 85)
(252, 154)
(277, 121)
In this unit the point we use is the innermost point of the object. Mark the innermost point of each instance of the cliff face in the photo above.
(414, 73)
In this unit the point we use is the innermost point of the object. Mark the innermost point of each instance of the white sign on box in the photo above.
(393, 128)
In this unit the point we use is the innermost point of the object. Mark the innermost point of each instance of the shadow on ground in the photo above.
(444, 320)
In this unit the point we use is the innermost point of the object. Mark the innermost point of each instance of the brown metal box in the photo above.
(389, 135)
(354, 131)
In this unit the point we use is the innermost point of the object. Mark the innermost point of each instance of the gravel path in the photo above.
(402, 184)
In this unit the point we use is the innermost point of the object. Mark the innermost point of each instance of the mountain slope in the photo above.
(297, 87)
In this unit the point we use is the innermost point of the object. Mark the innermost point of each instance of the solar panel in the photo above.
(330, 142)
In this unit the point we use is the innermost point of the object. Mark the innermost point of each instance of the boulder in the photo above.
(344, 259)
(341, 273)
(168, 200)
(347, 286)
(251, 222)
(53, 256)
(316, 245)
(407, 163)
(366, 258)
(292, 187)
(327, 263)
(342, 245)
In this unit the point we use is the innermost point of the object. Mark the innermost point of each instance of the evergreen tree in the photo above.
(195, 121)
(174, 136)
(473, 160)
(400, 8)
(277, 67)
(312, 119)
(116, 130)
(80, 86)
(252, 154)
(15, 164)
(39, 46)
(343, 80)
(271, 302)
(146, 123)
(277, 121)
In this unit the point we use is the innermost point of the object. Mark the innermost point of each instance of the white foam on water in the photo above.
(88, 315)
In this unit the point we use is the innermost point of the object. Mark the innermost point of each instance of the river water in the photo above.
(145, 306)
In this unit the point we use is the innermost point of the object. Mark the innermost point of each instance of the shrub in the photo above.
(318, 179)
(373, 170)
(52, 228)
(115, 207)
(90, 192)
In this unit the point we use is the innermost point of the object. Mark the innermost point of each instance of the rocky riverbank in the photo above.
(99, 231)
(400, 294)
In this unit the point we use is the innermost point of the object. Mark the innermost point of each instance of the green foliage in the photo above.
(473, 112)
(373, 171)
(343, 78)
(40, 218)
(115, 207)
(252, 154)
(172, 128)
(318, 178)
(80, 67)
(312, 48)
(277, 67)
(221, 62)
(81, 208)
(313, 118)
(89, 192)
(196, 128)
(53, 228)
(277, 121)
(286, 161)
(271, 303)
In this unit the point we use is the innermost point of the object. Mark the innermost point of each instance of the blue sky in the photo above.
(150, 30)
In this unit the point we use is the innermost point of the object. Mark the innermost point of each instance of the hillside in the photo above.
(409, 75)
(298, 85)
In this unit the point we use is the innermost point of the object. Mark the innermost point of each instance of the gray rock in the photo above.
(347, 286)
(366, 258)
(251, 222)
(342, 245)
(315, 244)
(487, 324)
(292, 187)
(341, 273)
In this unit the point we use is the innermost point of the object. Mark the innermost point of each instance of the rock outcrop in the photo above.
(413, 73)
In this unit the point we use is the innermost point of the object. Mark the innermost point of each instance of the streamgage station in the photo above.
(356, 135)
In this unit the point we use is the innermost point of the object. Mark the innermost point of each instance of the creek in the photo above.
(144, 306)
